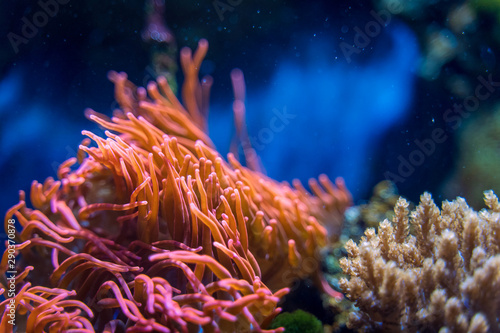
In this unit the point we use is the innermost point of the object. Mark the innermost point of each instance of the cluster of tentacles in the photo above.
(154, 231)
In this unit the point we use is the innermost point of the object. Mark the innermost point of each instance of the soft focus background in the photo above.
(356, 94)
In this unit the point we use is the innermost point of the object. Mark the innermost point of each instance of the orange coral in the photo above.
(155, 231)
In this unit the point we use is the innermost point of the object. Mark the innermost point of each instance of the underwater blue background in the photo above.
(350, 118)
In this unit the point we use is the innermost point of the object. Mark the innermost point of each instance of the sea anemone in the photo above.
(155, 231)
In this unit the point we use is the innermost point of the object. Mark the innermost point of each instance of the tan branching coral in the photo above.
(155, 231)
(444, 277)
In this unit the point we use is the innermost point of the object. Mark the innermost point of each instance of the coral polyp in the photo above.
(443, 276)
